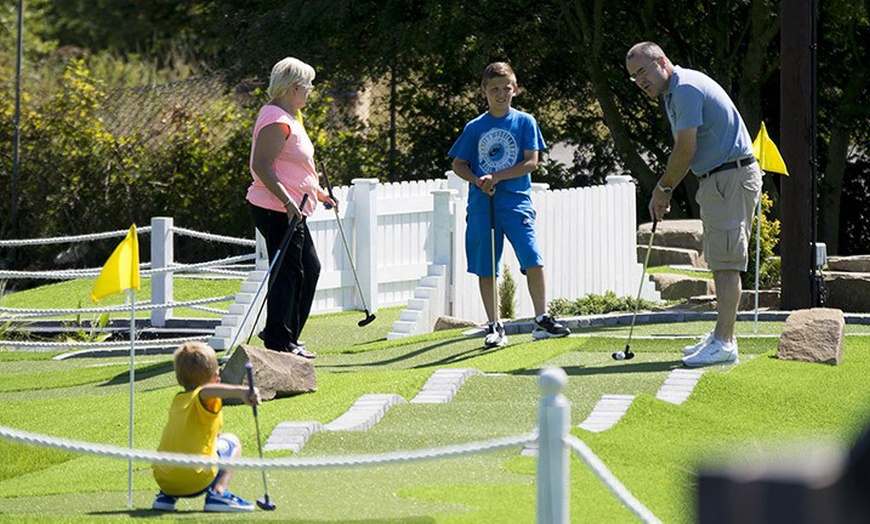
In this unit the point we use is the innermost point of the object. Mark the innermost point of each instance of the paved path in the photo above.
(443, 385)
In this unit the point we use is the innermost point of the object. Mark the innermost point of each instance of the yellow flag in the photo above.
(121, 270)
(767, 154)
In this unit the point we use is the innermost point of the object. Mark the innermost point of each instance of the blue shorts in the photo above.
(518, 225)
(225, 448)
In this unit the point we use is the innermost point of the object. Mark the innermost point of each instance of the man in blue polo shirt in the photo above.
(711, 140)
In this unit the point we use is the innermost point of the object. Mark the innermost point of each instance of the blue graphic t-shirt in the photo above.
(492, 144)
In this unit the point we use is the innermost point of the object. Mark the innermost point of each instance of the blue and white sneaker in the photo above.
(226, 502)
(164, 502)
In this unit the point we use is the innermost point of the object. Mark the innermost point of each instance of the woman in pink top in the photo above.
(282, 166)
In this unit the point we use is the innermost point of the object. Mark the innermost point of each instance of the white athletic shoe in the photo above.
(495, 336)
(715, 353)
(693, 348)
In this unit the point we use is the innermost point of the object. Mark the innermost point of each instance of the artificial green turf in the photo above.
(654, 449)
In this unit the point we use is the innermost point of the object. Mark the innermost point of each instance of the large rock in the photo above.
(856, 263)
(685, 233)
(275, 374)
(848, 291)
(813, 335)
(675, 287)
(670, 256)
(447, 322)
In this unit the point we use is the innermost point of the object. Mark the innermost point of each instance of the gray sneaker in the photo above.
(693, 348)
(715, 353)
(495, 336)
(547, 327)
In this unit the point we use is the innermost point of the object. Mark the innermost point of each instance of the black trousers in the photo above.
(293, 283)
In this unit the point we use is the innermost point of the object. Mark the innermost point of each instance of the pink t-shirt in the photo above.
(294, 165)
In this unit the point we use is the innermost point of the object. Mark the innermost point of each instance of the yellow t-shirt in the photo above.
(192, 428)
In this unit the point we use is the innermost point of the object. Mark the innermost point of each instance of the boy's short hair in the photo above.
(287, 73)
(195, 364)
(498, 70)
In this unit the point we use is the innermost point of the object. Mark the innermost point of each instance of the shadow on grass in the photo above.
(624, 367)
(143, 513)
(141, 374)
(406, 356)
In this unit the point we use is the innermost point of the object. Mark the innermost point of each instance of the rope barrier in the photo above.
(71, 274)
(180, 459)
(139, 306)
(65, 240)
(613, 484)
(214, 238)
(143, 344)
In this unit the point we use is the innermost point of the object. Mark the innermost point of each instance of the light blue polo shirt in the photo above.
(693, 99)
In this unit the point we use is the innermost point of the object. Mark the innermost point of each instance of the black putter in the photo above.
(627, 354)
(276, 259)
(370, 317)
(265, 504)
(279, 256)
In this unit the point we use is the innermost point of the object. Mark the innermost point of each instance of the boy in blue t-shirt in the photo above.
(500, 148)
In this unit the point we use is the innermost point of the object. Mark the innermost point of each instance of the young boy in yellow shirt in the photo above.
(194, 427)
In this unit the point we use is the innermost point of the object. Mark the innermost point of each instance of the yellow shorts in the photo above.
(728, 200)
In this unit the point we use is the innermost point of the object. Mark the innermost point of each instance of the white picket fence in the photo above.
(408, 245)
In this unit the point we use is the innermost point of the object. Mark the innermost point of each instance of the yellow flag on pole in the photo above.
(121, 271)
(767, 153)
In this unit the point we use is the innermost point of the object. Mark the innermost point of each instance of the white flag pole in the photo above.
(131, 300)
(757, 258)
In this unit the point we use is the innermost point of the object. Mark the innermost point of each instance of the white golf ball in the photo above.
(619, 355)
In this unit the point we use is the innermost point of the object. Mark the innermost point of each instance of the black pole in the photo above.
(815, 278)
(13, 208)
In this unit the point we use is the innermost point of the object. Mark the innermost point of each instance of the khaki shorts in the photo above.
(728, 200)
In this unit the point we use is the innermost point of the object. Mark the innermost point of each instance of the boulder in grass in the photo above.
(276, 374)
(448, 322)
(813, 335)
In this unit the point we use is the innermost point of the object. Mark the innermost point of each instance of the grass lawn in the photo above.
(653, 450)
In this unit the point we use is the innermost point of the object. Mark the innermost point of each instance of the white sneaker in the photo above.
(715, 353)
(495, 336)
(693, 348)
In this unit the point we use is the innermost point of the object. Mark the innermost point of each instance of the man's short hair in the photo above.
(498, 70)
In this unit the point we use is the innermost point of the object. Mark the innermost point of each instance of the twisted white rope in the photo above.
(66, 240)
(214, 238)
(140, 344)
(71, 274)
(254, 463)
(613, 484)
(144, 305)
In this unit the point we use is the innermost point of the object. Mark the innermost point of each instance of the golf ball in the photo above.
(619, 355)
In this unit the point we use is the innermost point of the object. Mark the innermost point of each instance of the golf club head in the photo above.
(628, 354)
(370, 317)
(266, 505)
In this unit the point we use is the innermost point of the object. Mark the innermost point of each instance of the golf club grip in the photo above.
(249, 369)
(655, 223)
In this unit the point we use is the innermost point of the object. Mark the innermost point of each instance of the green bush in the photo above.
(593, 304)
(507, 293)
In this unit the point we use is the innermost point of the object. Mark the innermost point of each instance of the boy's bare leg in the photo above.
(485, 284)
(537, 289)
(224, 482)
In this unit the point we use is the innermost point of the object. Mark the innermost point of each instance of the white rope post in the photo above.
(162, 255)
(554, 423)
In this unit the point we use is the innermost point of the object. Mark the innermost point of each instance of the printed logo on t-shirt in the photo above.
(497, 150)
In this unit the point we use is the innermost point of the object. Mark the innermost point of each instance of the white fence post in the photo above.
(162, 255)
(442, 227)
(554, 423)
(365, 226)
